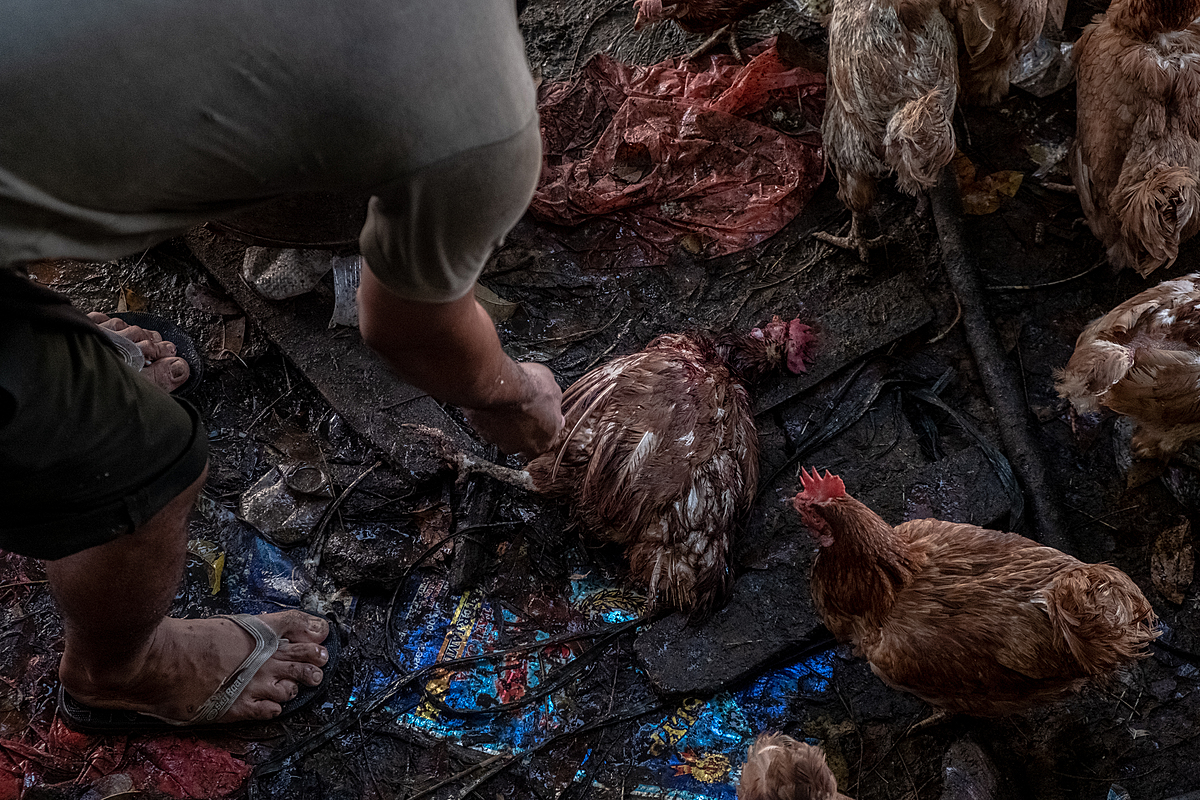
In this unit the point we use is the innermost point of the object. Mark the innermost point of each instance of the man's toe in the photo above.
(299, 672)
(296, 626)
(168, 373)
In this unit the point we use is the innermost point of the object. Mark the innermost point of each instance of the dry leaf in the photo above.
(691, 243)
(983, 195)
(233, 336)
(1172, 562)
(131, 300)
(433, 524)
(210, 301)
(964, 170)
(496, 306)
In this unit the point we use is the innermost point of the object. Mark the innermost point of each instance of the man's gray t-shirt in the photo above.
(123, 122)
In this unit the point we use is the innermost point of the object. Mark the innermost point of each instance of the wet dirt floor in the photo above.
(529, 578)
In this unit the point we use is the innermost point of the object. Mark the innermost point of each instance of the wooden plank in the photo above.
(355, 381)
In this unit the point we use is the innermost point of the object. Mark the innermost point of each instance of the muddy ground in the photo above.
(1045, 279)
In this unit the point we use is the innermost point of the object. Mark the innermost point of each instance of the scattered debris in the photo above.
(1172, 562)
(286, 503)
(345, 290)
(983, 195)
(280, 273)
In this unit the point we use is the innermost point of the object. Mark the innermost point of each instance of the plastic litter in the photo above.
(287, 501)
(683, 153)
(1046, 68)
(345, 290)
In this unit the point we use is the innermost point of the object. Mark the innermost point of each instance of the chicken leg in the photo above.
(855, 240)
(726, 33)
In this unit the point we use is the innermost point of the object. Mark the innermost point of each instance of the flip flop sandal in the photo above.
(87, 719)
(185, 348)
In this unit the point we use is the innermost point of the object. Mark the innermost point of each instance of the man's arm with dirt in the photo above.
(451, 351)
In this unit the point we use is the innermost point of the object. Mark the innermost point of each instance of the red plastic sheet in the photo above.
(640, 159)
(176, 766)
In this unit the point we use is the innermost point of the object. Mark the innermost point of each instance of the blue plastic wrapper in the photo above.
(694, 751)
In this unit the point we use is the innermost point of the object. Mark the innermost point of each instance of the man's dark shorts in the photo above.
(89, 449)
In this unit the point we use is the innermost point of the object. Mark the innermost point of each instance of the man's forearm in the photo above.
(447, 349)
(451, 351)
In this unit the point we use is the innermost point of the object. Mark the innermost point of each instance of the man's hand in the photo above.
(451, 351)
(528, 427)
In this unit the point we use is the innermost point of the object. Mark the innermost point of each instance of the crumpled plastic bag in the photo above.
(279, 273)
(287, 501)
(181, 767)
(643, 158)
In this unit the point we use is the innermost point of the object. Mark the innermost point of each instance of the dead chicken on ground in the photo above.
(970, 620)
(780, 768)
(1136, 158)
(892, 84)
(659, 454)
(1142, 360)
(717, 19)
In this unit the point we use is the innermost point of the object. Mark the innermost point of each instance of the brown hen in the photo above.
(1142, 359)
(970, 620)
(891, 87)
(780, 768)
(659, 453)
(992, 37)
(1136, 158)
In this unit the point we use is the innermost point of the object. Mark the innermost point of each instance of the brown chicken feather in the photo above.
(992, 37)
(891, 87)
(659, 453)
(1136, 158)
(780, 768)
(970, 620)
(1142, 359)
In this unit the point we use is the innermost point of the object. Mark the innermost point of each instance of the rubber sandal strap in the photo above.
(266, 642)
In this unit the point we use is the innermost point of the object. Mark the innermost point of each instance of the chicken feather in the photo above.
(892, 86)
(659, 454)
(971, 620)
(780, 768)
(1142, 360)
(993, 35)
(1136, 157)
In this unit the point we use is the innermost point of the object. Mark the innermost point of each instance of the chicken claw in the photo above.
(854, 241)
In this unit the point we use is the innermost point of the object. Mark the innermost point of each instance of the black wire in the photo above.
(389, 639)
(369, 704)
(558, 678)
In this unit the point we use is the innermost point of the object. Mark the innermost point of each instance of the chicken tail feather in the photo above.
(1091, 372)
(1154, 212)
(919, 140)
(1101, 615)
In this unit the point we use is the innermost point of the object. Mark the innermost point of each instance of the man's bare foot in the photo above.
(163, 368)
(187, 659)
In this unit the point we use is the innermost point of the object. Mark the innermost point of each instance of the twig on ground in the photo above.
(318, 544)
(468, 771)
(1025, 287)
(1000, 382)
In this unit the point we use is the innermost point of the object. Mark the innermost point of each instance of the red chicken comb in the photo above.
(820, 489)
